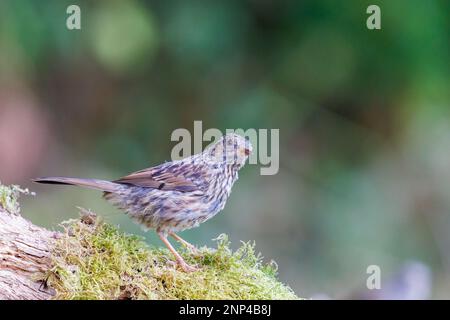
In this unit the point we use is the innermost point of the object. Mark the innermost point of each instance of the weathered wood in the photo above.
(24, 251)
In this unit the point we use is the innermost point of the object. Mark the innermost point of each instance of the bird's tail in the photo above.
(101, 185)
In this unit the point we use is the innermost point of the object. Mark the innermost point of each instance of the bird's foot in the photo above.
(186, 267)
(185, 244)
(193, 249)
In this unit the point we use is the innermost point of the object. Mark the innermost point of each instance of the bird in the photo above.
(176, 195)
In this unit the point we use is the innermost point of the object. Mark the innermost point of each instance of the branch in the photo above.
(90, 259)
(25, 250)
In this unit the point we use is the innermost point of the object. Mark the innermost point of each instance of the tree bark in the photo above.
(25, 251)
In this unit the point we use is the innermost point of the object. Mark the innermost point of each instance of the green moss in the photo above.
(9, 197)
(93, 260)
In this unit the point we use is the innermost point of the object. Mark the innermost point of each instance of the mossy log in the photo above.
(90, 259)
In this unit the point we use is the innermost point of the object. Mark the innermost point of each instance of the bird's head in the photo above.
(231, 149)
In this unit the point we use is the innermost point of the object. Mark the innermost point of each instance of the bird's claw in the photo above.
(186, 267)
(193, 249)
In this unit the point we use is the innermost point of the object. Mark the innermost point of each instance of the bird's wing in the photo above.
(164, 177)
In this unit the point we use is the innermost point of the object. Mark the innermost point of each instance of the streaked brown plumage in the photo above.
(175, 195)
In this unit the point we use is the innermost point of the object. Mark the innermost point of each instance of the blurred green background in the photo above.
(363, 116)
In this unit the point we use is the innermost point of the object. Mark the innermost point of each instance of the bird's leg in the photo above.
(180, 260)
(190, 246)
